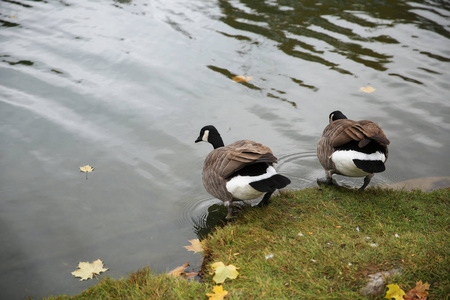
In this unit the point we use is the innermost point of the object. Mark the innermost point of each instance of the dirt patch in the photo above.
(424, 184)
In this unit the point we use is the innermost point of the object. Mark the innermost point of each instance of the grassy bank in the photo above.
(315, 244)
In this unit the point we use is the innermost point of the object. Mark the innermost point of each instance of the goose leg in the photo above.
(266, 199)
(327, 181)
(229, 205)
(366, 181)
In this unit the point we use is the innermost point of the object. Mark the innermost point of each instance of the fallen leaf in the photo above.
(178, 271)
(337, 226)
(87, 168)
(87, 270)
(240, 78)
(223, 272)
(418, 292)
(195, 246)
(218, 293)
(367, 89)
(394, 292)
(190, 275)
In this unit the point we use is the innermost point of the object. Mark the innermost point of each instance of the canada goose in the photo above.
(242, 170)
(352, 148)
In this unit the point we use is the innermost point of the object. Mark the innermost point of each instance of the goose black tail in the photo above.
(370, 166)
(277, 181)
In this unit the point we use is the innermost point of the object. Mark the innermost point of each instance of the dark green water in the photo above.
(126, 86)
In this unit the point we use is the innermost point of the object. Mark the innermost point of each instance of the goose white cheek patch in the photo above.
(205, 136)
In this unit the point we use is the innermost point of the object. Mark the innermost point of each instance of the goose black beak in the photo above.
(199, 139)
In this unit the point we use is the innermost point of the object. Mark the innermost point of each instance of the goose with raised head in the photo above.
(352, 148)
(242, 170)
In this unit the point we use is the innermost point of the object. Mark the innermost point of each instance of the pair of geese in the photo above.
(244, 169)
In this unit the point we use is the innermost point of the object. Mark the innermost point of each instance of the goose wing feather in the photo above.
(241, 153)
(343, 131)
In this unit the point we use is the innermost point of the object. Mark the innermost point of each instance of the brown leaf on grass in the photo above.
(240, 78)
(195, 246)
(180, 272)
(418, 292)
(190, 275)
(87, 270)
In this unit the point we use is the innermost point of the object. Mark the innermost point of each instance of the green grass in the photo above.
(330, 260)
(142, 285)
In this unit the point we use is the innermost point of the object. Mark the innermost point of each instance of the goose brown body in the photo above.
(345, 135)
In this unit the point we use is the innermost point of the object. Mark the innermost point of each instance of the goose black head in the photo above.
(210, 135)
(336, 115)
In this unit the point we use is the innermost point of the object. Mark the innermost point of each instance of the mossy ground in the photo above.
(315, 244)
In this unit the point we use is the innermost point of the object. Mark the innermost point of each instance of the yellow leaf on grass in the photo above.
(87, 168)
(218, 293)
(195, 246)
(394, 292)
(367, 89)
(223, 272)
(240, 78)
(87, 270)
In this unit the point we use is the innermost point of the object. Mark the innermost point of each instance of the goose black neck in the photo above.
(216, 140)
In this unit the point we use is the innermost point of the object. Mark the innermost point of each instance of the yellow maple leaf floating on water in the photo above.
(367, 89)
(218, 293)
(86, 169)
(223, 272)
(394, 292)
(195, 246)
(87, 270)
(240, 78)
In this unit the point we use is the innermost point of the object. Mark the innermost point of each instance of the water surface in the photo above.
(126, 86)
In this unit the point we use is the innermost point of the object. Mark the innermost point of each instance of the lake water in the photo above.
(125, 86)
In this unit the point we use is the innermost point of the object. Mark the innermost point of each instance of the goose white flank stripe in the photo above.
(240, 186)
(343, 160)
